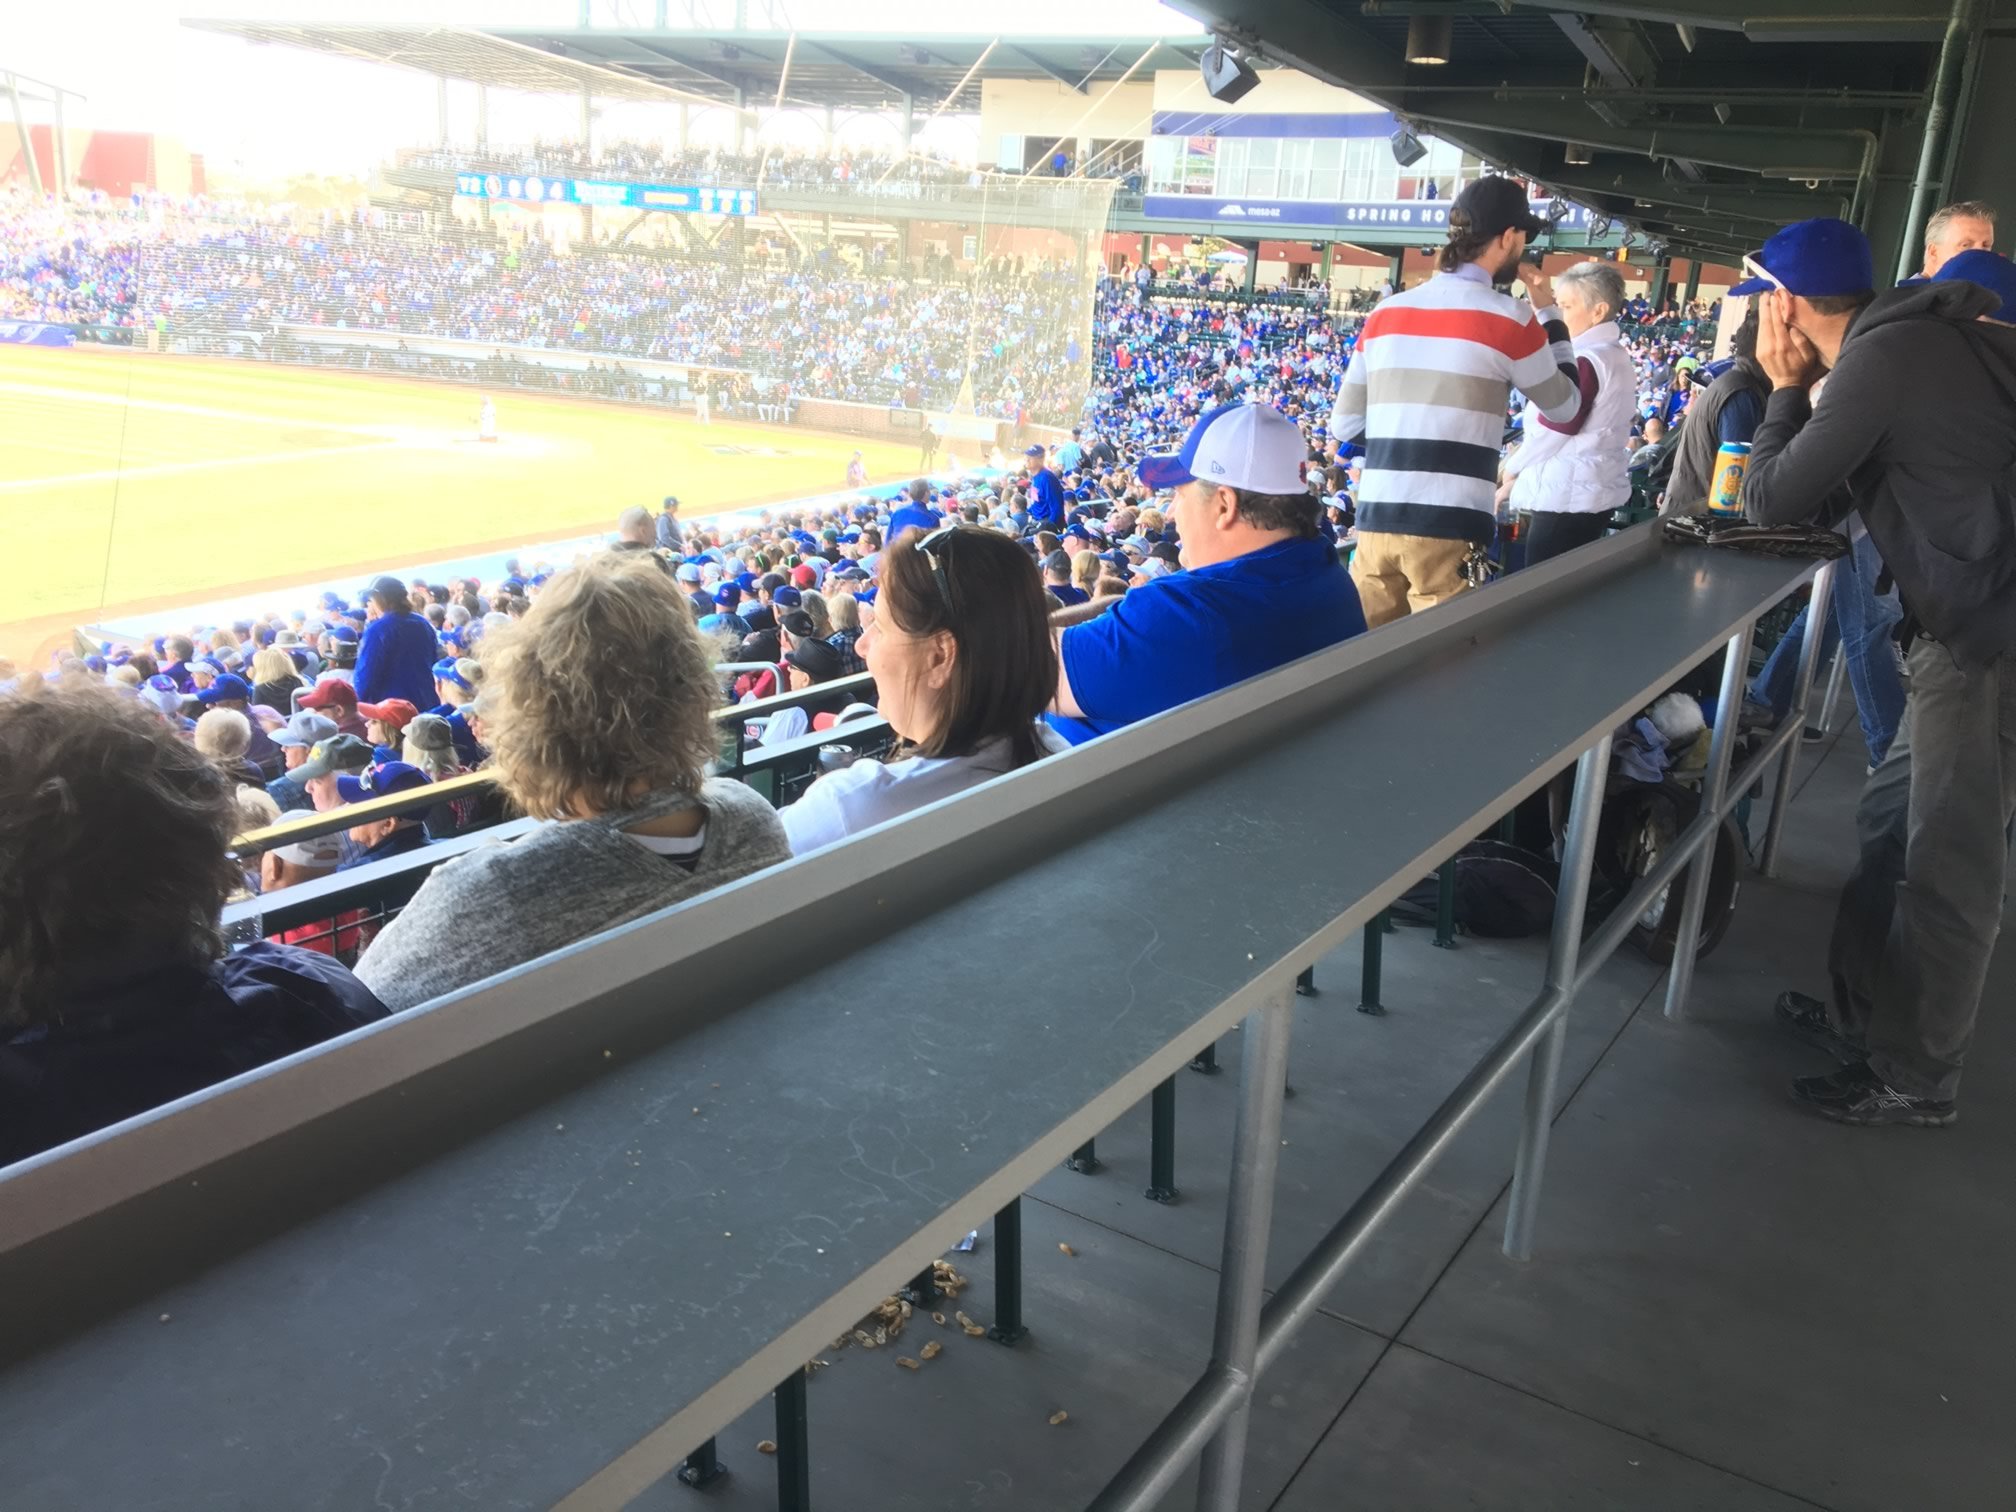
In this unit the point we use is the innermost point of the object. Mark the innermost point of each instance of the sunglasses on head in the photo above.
(938, 574)
(1757, 270)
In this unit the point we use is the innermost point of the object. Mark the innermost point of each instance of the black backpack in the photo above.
(1503, 892)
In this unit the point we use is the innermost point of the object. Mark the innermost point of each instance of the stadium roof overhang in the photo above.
(846, 70)
(1704, 125)
(452, 53)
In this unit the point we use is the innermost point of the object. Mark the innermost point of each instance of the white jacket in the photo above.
(1583, 473)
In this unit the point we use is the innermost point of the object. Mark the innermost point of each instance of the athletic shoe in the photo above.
(1809, 1019)
(1812, 735)
(1857, 1095)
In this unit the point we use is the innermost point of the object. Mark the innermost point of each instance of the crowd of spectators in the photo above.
(879, 330)
(654, 162)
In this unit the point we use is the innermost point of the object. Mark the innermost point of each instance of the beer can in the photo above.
(1725, 491)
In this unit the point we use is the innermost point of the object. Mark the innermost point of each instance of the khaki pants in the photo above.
(1401, 574)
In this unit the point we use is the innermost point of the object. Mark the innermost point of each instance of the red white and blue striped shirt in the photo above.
(1428, 388)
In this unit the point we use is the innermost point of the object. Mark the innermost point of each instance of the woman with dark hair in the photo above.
(964, 664)
(396, 654)
(116, 994)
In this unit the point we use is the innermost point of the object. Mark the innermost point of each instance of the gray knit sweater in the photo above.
(503, 905)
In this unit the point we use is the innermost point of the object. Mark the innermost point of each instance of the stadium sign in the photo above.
(552, 189)
(1403, 215)
(35, 333)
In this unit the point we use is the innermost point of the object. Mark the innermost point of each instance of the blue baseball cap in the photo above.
(1992, 271)
(227, 685)
(1813, 259)
(786, 597)
(728, 594)
(1239, 445)
(381, 781)
(446, 671)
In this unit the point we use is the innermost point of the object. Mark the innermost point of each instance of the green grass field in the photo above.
(131, 483)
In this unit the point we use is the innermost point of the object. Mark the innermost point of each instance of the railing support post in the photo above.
(1206, 1060)
(1802, 692)
(1085, 1159)
(1375, 949)
(794, 1449)
(1162, 1143)
(1249, 1214)
(1008, 1327)
(1564, 954)
(1714, 785)
(1305, 984)
(702, 1467)
(1445, 905)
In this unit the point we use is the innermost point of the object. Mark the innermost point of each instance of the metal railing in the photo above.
(451, 1119)
(735, 759)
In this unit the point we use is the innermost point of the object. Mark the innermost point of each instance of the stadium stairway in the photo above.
(1717, 1274)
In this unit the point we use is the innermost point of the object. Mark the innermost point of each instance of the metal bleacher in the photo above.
(536, 1243)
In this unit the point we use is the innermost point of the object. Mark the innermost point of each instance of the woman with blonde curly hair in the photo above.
(596, 709)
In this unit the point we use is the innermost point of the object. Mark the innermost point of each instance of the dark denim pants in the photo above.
(1864, 622)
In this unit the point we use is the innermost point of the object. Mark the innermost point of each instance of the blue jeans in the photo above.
(1863, 622)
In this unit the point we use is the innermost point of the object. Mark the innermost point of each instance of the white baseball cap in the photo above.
(1249, 446)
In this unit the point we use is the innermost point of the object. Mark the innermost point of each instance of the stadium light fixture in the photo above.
(1408, 149)
(1600, 226)
(1557, 208)
(1578, 154)
(1431, 40)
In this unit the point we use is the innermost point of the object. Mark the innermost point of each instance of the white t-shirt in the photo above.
(855, 798)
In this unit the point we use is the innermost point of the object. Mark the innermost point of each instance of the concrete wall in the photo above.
(1282, 91)
(1030, 108)
(1044, 108)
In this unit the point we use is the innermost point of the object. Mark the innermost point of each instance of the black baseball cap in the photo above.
(817, 659)
(1494, 205)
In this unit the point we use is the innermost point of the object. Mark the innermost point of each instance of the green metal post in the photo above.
(1008, 1327)
(1162, 1143)
(794, 1448)
(1445, 905)
(1375, 948)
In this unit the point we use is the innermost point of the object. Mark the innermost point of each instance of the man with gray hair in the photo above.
(1569, 476)
(1965, 226)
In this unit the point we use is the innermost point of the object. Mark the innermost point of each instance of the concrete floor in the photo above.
(1733, 1306)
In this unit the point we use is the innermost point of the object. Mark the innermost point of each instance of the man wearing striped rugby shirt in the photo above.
(1428, 387)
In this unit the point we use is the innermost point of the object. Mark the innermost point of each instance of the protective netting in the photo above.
(890, 299)
(976, 300)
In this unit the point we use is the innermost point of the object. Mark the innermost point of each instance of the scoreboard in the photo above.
(558, 189)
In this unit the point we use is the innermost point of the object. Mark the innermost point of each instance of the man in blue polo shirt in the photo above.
(1259, 588)
(1046, 493)
(917, 514)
